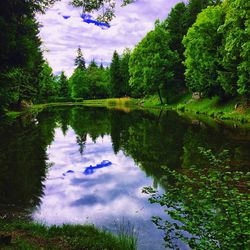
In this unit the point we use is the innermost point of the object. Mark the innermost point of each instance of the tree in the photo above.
(124, 69)
(202, 44)
(98, 81)
(94, 79)
(79, 84)
(106, 7)
(90, 83)
(152, 64)
(207, 208)
(101, 67)
(92, 65)
(79, 60)
(235, 53)
(115, 76)
(196, 6)
(217, 50)
(20, 54)
(47, 84)
(79, 79)
(177, 26)
(136, 64)
(63, 86)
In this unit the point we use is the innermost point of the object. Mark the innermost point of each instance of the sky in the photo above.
(63, 31)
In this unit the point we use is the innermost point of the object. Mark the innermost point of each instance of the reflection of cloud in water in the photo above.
(110, 194)
(87, 200)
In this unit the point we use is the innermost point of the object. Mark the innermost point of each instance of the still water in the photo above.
(89, 165)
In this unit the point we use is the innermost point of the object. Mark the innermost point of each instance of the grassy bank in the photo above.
(232, 110)
(119, 103)
(23, 235)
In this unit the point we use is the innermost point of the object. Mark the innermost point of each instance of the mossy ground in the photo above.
(26, 235)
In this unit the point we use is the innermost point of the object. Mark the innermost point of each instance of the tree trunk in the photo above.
(159, 93)
(159, 117)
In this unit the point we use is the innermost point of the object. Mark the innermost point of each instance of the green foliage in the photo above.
(89, 83)
(151, 65)
(80, 61)
(47, 84)
(106, 7)
(208, 209)
(119, 74)
(217, 50)
(20, 55)
(124, 70)
(63, 90)
(235, 54)
(97, 81)
(115, 76)
(177, 26)
(202, 44)
(196, 6)
(78, 84)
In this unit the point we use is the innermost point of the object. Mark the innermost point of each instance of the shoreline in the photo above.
(30, 235)
(211, 108)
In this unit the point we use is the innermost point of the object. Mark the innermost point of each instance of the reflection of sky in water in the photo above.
(111, 194)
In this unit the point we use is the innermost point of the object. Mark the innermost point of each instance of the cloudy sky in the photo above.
(61, 37)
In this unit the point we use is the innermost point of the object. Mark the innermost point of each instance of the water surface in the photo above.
(89, 165)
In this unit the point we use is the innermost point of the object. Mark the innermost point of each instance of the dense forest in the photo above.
(202, 46)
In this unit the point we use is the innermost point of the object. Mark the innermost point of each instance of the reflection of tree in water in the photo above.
(94, 122)
(47, 122)
(23, 162)
(81, 141)
(154, 141)
(120, 122)
(217, 139)
(63, 119)
(205, 203)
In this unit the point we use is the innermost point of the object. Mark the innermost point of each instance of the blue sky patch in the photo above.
(88, 19)
(66, 17)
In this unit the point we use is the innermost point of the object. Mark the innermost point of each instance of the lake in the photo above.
(89, 165)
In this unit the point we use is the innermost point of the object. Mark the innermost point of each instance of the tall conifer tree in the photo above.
(115, 75)
(80, 61)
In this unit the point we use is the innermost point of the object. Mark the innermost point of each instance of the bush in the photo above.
(208, 208)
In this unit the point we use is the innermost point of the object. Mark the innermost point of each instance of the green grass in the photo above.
(13, 114)
(211, 107)
(148, 102)
(215, 108)
(35, 236)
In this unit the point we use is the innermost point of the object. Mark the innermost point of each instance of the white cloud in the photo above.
(61, 37)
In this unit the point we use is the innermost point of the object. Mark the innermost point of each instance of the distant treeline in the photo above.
(202, 46)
